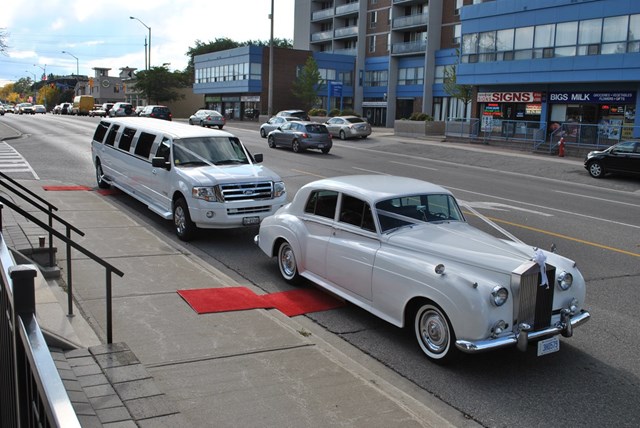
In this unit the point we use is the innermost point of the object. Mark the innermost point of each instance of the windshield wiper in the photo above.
(192, 163)
(229, 161)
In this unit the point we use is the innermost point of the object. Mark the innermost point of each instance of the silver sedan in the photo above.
(274, 123)
(348, 127)
(207, 118)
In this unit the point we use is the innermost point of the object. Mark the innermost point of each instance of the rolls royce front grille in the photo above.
(533, 302)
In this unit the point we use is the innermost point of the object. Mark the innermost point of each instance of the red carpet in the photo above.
(290, 303)
(65, 188)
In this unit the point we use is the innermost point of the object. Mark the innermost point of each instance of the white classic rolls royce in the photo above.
(401, 249)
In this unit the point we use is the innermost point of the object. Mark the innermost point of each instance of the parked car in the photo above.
(348, 127)
(1, 110)
(26, 108)
(208, 118)
(97, 111)
(300, 114)
(138, 110)
(156, 112)
(301, 136)
(274, 123)
(623, 157)
(39, 108)
(56, 109)
(107, 107)
(401, 249)
(121, 109)
(65, 108)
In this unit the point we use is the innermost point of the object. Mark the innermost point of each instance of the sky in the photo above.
(100, 33)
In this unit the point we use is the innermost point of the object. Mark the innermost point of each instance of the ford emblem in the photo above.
(248, 192)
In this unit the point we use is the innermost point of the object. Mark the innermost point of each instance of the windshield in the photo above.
(209, 151)
(416, 209)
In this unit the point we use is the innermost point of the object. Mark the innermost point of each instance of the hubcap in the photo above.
(288, 262)
(179, 220)
(434, 333)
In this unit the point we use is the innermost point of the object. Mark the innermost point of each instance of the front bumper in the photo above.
(522, 338)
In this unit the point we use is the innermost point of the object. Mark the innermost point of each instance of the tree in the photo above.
(48, 95)
(306, 85)
(463, 93)
(160, 85)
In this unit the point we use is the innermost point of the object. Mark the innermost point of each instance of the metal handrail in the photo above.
(49, 210)
(70, 243)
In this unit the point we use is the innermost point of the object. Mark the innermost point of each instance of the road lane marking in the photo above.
(12, 162)
(569, 238)
(415, 166)
(371, 170)
(597, 199)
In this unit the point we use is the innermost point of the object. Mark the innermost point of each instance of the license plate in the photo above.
(250, 220)
(548, 346)
(321, 146)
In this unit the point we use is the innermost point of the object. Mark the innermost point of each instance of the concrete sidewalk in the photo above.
(172, 367)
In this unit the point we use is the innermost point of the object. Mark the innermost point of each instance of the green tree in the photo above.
(462, 92)
(160, 85)
(306, 85)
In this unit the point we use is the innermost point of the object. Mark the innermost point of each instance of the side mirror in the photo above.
(258, 158)
(159, 162)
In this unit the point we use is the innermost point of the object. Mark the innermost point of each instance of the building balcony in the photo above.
(322, 15)
(322, 36)
(409, 48)
(350, 51)
(411, 21)
(346, 9)
(409, 2)
(346, 32)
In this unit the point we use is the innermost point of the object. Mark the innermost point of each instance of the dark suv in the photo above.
(158, 112)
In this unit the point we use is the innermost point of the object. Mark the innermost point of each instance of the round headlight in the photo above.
(565, 279)
(499, 295)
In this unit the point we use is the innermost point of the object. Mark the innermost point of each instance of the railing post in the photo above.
(51, 260)
(1, 207)
(69, 277)
(109, 309)
(24, 305)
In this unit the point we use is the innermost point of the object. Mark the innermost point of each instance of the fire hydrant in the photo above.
(561, 147)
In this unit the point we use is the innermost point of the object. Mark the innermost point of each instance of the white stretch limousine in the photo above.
(200, 178)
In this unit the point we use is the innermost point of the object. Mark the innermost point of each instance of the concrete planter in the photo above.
(417, 129)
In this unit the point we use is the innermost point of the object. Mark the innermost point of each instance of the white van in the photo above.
(199, 177)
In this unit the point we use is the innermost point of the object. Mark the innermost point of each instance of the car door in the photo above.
(160, 179)
(332, 126)
(283, 135)
(318, 219)
(352, 248)
(620, 157)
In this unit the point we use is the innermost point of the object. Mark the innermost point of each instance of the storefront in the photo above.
(242, 107)
(511, 114)
(613, 111)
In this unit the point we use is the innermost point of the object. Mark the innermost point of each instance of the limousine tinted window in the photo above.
(143, 146)
(101, 131)
(126, 138)
(111, 136)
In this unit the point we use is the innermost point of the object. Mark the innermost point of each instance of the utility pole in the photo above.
(270, 102)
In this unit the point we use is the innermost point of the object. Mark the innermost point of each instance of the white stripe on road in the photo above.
(12, 162)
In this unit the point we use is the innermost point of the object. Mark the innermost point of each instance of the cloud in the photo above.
(57, 24)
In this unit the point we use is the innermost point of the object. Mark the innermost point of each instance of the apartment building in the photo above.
(400, 50)
(554, 61)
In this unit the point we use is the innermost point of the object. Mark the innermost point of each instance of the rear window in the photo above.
(355, 120)
(101, 131)
(322, 203)
(317, 129)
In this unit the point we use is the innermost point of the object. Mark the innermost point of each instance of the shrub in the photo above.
(334, 112)
(317, 112)
(419, 116)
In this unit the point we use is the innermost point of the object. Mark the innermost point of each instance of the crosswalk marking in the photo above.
(12, 162)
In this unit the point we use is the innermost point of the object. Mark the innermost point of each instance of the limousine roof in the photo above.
(174, 129)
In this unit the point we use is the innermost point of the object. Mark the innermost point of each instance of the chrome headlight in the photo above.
(278, 189)
(499, 295)
(206, 193)
(565, 280)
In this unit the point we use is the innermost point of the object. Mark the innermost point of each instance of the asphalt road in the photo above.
(592, 381)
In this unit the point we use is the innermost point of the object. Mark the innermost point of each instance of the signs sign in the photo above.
(509, 97)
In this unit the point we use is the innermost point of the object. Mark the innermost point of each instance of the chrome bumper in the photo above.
(524, 335)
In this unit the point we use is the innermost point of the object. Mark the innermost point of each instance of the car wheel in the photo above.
(295, 145)
(271, 141)
(263, 133)
(287, 263)
(219, 126)
(343, 136)
(364, 137)
(190, 122)
(434, 333)
(596, 170)
(185, 229)
(325, 151)
(201, 123)
(100, 176)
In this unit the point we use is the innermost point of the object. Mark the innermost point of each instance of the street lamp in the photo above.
(270, 91)
(77, 62)
(44, 70)
(148, 28)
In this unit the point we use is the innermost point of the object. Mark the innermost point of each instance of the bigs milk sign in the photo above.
(509, 97)
(593, 97)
